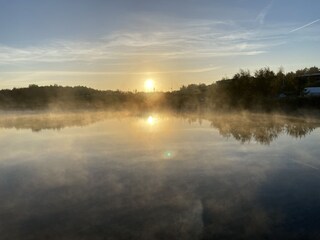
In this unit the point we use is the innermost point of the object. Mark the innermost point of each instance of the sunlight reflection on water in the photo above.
(155, 176)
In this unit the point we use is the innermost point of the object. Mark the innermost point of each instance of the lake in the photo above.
(99, 175)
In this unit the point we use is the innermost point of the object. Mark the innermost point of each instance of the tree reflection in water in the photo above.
(262, 128)
(88, 183)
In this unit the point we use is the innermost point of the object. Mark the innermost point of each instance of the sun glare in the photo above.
(151, 120)
(149, 85)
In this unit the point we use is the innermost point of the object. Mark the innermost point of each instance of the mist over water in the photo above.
(119, 175)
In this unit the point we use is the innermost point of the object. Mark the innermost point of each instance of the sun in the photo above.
(149, 85)
(151, 120)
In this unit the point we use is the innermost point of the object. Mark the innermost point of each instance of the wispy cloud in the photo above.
(262, 15)
(304, 26)
(189, 41)
(89, 73)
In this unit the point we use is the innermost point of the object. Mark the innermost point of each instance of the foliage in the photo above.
(264, 90)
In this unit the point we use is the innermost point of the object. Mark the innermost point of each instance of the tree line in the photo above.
(263, 90)
(59, 97)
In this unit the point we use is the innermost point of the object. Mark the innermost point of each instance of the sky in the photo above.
(119, 44)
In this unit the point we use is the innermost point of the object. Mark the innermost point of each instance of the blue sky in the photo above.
(118, 44)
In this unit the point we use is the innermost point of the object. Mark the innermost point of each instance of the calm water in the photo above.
(156, 176)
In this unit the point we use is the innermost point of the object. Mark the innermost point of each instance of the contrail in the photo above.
(307, 25)
(306, 164)
(262, 15)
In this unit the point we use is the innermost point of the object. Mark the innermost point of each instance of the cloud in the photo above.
(204, 40)
(188, 49)
(90, 73)
(304, 26)
(262, 15)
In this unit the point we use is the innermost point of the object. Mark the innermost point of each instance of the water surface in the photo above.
(158, 176)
